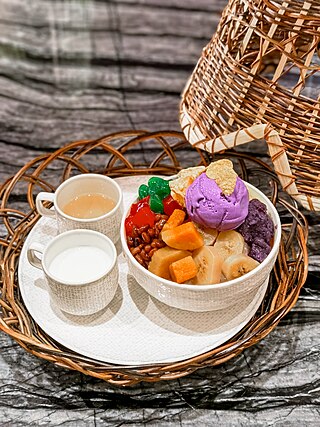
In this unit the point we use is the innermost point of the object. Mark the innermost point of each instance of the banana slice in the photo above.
(208, 265)
(209, 234)
(229, 243)
(246, 249)
(238, 265)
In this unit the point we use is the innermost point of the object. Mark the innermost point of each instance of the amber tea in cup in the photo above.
(90, 201)
(91, 205)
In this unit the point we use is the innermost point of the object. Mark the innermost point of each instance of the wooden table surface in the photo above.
(81, 69)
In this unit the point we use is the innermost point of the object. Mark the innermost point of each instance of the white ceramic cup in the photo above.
(108, 224)
(208, 297)
(92, 285)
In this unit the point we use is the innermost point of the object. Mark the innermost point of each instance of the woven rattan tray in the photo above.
(127, 154)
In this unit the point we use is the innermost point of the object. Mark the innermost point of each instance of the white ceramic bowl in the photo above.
(207, 297)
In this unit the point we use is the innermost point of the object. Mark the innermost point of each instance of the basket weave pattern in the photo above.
(286, 280)
(260, 67)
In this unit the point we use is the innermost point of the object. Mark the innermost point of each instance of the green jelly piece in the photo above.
(153, 191)
(156, 204)
(164, 189)
(154, 183)
(159, 186)
(143, 191)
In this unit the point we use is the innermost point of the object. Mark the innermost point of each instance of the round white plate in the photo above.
(135, 329)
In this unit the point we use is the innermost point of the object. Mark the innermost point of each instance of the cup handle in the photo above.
(45, 197)
(33, 254)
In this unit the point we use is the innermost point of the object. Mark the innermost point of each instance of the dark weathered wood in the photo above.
(88, 68)
(79, 69)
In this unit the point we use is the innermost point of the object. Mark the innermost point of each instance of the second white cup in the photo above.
(96, 197)
(81, 270)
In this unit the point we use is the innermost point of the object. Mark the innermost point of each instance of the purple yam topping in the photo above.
(260, 249)
(257, 224)
(257, 230)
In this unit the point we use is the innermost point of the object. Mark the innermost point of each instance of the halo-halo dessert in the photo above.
(199, 228)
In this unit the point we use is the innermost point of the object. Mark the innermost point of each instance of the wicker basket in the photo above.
(47, 171)
(261, 67)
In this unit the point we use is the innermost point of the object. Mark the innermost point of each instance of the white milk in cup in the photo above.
(80, 269)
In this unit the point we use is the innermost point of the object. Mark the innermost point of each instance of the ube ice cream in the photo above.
(207, 205)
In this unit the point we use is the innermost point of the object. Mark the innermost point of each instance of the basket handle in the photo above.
(242, 136)
(276, 150)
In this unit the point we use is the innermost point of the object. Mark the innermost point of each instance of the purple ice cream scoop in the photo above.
(207, 205)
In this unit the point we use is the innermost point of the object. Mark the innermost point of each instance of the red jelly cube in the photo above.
(144, 216)
(128, 223)
(135, 207)
(169, 205)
